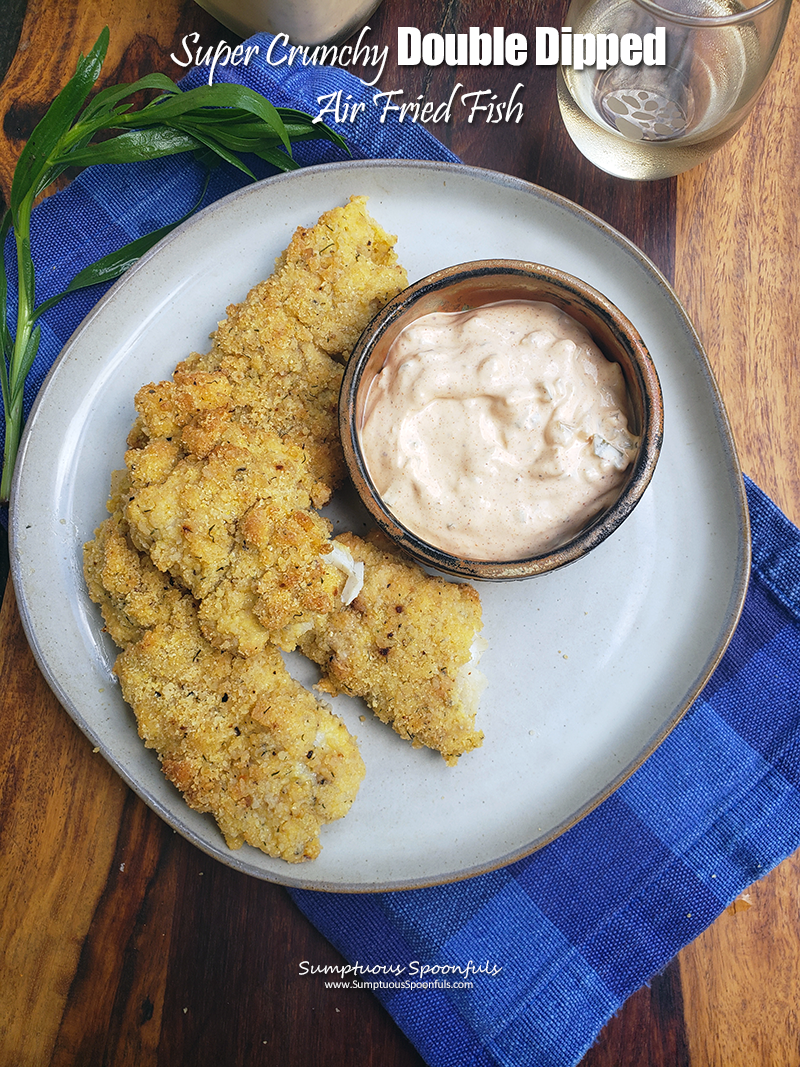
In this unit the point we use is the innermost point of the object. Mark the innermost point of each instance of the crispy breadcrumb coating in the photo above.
(232, 521)
(229, 456)
(406, 645)
(215, 557)
(240, 738)
(333, 278)
(133, 595)
(277, 358)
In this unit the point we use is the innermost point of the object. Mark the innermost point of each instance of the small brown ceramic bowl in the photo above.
(470, 285)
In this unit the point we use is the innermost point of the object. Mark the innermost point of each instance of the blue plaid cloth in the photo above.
(546, 950)
(583, 923)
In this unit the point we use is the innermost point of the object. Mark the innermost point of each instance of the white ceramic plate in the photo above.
(588, 668)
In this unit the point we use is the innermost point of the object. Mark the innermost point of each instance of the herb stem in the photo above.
(13, 403)
(13, 418)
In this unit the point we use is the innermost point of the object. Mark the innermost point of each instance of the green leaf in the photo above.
(56, 122)
(221, 95)
(278, 158)
(28, 356)
(19, 374)
(213, 145)
(242, 137)
(246, 130)
(134, 146)
(206, 158)
(300, 127)
(104, 102)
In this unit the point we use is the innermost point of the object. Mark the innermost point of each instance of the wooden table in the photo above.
(122, 944)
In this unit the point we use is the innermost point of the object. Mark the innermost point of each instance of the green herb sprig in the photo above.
(218, 122)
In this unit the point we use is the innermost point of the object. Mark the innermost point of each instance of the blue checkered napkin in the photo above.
(580, 925)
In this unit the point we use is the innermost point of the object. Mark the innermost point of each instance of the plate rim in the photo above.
(732, 613)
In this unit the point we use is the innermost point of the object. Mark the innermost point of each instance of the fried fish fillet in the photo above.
(234, 454)
(276, 360)
(231, 520)
(407, 645)
(240, 738)
(215, 554)
(230, 457)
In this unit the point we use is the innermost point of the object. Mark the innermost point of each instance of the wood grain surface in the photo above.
(52, 37)
(736, 270)
(122, 944)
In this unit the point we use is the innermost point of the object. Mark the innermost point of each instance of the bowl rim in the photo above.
(598, 528)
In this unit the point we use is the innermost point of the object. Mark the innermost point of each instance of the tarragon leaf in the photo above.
(221, 95)
(133, 146)
(57, 120)
(104, 102)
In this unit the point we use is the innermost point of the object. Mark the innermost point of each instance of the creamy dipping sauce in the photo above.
(498, 433)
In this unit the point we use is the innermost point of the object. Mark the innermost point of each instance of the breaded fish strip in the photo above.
(229, 456)
(240, 738)
(230, 518)
(407, 645)
(276, 359)
(333, 278)
(185, 504)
